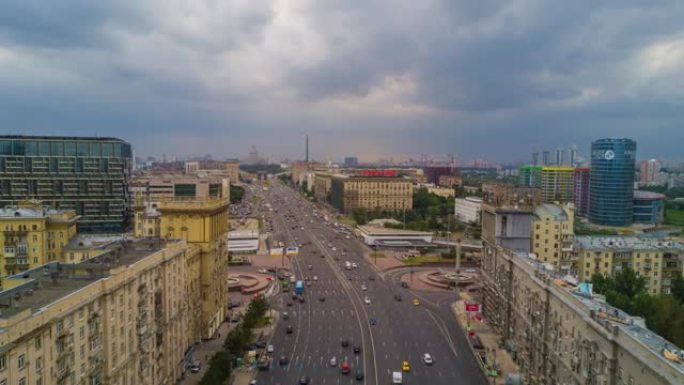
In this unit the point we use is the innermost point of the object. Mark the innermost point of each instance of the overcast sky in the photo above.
(479, 78)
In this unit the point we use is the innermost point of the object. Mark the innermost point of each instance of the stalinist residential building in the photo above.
(201, 220)
(123, 317)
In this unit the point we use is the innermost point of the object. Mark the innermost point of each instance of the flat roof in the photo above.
(403, 243)
(648, 195)
(549, 210)
(25, 212)
(48, 283)
(45, 137)
(372, 230)
(626, 242)
(606, 314)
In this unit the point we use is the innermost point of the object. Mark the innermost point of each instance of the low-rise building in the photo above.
(468, 209)
(648, 207)
(243, 241)
(122, 318)
(561, 334)
(390, 238)
(348, 193)
(553, 235)
(656, 259)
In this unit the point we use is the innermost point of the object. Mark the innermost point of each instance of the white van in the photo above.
(396, 377)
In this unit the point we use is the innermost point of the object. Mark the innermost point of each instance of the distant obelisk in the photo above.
(307, 149)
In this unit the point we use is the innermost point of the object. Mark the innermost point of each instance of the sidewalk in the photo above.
(490, 356)
(244, 375)
(204, 351)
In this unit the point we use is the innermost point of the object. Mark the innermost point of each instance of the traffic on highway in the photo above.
(345, 322)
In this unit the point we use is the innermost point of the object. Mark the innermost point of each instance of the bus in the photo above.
(299, 288)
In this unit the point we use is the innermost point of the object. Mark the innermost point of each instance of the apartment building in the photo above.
(558, 184)
(33, 235)
(88, 175)
(348, 193)
(656, 259)
(561, 334)
(322, 183)
(155, 187)
(201, 220)
(123, 318)
(553, 235)
(507, 214)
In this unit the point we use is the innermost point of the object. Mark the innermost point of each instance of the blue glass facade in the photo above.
(611, 190)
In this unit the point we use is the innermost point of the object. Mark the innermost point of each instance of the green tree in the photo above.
(627, 282)
(601, 283)
(236, 194)
(678, 288)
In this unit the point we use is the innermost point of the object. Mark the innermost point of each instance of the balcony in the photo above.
(648, 265)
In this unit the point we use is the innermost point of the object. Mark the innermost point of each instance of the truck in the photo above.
(299, 288)
(286, 285)
(396, 378)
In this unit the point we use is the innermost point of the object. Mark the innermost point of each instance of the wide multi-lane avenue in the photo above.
(360, 306)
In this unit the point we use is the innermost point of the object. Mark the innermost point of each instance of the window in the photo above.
(39, 363)
(22, 381)
(3, 362)
(21, 361)
(37, 343)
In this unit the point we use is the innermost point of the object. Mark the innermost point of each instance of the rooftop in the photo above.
(30, 213)
(609, 317)
(626, 242)
(552, 211)
(648, 195)
(43, 285)
(372, 230)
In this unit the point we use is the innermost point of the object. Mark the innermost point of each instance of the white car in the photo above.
(363, 288)
(315, 278)
(354, 265)
(427, 358)
(270, 349)
(334, 249)
(366, 300)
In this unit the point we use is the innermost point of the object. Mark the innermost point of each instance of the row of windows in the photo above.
(64, 148)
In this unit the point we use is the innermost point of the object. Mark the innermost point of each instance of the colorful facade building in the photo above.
(558, 184)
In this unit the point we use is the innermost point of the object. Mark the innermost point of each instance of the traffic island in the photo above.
(495, 362)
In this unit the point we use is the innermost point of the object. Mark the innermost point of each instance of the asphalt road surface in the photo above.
(334, 310)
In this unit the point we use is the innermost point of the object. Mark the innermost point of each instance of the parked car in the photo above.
(196, 366)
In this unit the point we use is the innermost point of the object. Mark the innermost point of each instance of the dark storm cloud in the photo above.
(399, 76)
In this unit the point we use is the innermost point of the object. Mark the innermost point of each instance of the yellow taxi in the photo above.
(405, 366)
(416, 302)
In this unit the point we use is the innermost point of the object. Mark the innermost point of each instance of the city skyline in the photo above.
(463, 77)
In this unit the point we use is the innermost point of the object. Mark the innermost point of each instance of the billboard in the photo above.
(385, 173)
(472, 307)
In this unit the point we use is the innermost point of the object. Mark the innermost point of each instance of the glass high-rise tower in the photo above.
(611, 187)
(89, 175)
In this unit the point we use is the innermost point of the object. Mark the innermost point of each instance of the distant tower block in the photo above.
(535, 158)
(307, 149)
(559, 157)
(573, 156)
(545, 158)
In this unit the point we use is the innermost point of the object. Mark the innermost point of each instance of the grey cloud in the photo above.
(487, 71)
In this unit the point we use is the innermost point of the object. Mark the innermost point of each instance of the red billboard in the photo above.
(472, 307)
(386, 173)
